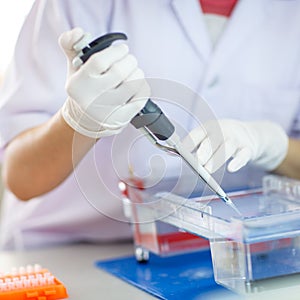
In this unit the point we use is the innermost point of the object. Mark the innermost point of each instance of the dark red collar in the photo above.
(218, 7)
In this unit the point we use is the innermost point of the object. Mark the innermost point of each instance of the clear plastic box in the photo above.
(261, 244)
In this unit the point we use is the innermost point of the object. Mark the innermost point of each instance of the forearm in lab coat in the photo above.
(291, 164)
(41, 158)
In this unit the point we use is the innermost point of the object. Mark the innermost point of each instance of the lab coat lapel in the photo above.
(192, 22)
(245, 20)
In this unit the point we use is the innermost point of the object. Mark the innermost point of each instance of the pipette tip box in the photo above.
(31, 283)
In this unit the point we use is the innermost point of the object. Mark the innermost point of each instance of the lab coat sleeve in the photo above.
(295, 130)
(33, 89)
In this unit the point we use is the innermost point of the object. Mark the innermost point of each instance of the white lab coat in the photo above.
(253, 73)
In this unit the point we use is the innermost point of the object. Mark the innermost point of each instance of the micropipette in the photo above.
(154, 123)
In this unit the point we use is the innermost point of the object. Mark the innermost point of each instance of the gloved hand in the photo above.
(106, 92)
(263, 143)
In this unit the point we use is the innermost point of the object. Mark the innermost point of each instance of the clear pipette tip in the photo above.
(229, 202)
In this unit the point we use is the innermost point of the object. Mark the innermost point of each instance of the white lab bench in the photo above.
(74, 265)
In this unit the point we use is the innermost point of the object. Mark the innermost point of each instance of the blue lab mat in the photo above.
(188, 276)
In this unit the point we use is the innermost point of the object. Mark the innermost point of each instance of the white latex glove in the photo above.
(261, 142)
(106, 92)
(72, 42)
